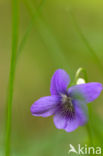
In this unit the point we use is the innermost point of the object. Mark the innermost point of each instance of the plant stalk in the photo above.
(11, 75)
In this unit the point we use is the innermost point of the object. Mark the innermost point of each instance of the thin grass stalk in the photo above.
(11, 76)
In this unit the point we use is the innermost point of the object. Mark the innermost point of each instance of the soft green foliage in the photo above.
(48, 38)
(51, 37)
(87, 44)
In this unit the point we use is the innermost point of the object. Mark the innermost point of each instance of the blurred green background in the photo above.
(53, 42)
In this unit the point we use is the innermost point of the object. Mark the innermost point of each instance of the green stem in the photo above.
(11, 75)
(88, 126)
(79, 71)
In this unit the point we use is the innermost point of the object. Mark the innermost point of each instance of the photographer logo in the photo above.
(84, 150)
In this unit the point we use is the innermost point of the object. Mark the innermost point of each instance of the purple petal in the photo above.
(59, 82)
(81, 111)
(69, 125)
(72, 125)
(80, 118)
(88, 91)
(59, 121)
(45, 106)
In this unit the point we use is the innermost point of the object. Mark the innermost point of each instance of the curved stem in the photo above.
(77, 76)
(79, 71)
(11, 75)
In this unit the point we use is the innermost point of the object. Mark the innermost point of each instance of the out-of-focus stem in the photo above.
(90, 137)
(29, 28)
(48, 38)
(88, 126)
(11, 75)
(77, 75)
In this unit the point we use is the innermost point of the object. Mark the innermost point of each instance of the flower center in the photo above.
(67, 106)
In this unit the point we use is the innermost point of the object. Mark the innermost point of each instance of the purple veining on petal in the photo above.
(63, 122)
(72, 125)
(68, 106)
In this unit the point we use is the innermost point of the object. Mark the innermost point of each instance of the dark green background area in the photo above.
(54, 42)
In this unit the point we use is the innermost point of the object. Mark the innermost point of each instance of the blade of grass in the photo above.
(29, 28)
(86, 42)
(15, 54)
(11, 75)
(48, 38)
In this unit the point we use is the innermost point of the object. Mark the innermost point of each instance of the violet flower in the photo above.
(67, 105)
